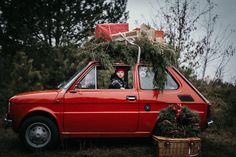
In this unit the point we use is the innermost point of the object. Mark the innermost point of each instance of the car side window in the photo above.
(146, 76)
(100, 78)
(104, 77)
(88, 82)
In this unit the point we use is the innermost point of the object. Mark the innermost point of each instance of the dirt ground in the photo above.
(215, 143)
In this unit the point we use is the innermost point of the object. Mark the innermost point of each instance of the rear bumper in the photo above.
(7, 122)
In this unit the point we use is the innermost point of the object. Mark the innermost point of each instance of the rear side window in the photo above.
(146, 76)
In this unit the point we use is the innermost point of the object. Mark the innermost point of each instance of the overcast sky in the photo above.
(141, 11)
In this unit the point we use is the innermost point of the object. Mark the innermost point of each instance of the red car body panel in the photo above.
(105, 112)
(46, 97)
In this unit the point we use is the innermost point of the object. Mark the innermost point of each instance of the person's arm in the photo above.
(116, 84)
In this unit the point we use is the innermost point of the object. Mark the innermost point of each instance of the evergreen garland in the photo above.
(177, 122)
(153, 54)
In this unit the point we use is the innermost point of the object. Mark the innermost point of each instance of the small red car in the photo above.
(85, 106)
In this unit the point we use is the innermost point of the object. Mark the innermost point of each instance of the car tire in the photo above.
(39, 133)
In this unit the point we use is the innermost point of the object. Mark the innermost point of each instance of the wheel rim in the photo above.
(38, 135)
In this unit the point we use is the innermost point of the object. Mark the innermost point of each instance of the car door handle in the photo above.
(131, 98)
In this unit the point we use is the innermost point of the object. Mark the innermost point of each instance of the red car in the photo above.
(85, 106)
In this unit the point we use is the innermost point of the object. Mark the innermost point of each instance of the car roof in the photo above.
(116, 64)
(121, 64)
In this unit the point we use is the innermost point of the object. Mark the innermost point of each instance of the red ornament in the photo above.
(179, 110)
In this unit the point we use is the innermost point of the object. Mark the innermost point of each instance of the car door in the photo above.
(176, 91)
(153, 100)
(89, 109)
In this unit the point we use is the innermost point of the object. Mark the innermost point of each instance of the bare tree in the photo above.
(215, 46)
(179, 18)
(197, 45)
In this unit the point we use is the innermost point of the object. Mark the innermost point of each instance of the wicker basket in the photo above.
(177, 147)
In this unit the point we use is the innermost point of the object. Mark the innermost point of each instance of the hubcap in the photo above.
(38, 135)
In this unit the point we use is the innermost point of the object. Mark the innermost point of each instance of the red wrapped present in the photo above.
(106, 30)
(159, 36)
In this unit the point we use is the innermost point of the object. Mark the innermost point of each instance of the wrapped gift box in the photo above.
(159, 36)
(113, 31)
(106, 31)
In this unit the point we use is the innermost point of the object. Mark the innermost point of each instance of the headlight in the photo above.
(9, 107)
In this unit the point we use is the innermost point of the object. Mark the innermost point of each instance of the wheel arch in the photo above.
(39, 113)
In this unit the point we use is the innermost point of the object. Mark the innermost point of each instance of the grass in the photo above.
(219, 142)
(215, 143)
(10, 145)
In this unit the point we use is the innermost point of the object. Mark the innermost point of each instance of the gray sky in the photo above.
(141, 11)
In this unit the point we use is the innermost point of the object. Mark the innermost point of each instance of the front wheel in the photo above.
(39, 133)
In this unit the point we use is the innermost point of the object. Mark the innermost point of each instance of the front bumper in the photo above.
(7, 123)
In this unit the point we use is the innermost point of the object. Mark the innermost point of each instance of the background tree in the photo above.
(178, 19)
(197, 44)
(39, 40)
(29, 23)
(215, 45)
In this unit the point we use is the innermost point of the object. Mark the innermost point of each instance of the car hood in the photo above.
(44, 96)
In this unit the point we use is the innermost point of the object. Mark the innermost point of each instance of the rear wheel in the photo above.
(39, 133)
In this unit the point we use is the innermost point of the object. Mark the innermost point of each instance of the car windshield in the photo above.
(67, 84)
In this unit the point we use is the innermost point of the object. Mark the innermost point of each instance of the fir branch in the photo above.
(153, 54)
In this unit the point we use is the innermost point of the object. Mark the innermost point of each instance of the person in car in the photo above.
(117, 79)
